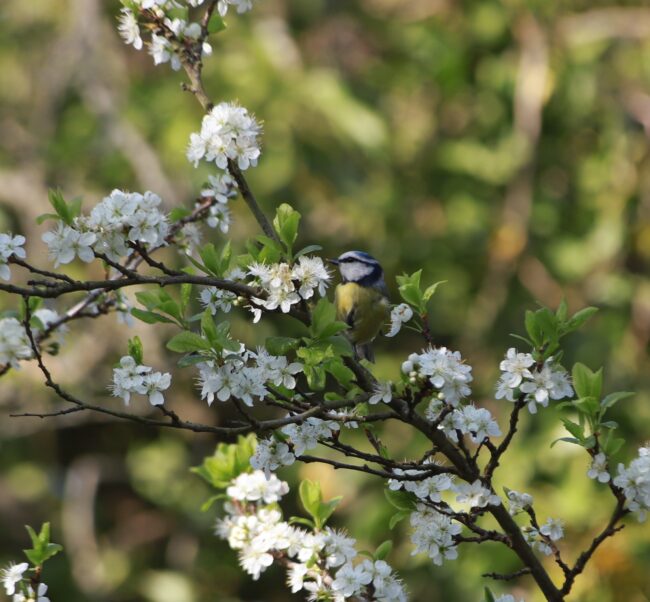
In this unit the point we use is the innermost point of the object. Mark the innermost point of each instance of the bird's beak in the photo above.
(333, 261)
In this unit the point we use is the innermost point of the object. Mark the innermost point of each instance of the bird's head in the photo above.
(359, 267)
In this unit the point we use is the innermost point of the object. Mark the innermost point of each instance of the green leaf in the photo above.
(210, 501)
(612, 446)
(585, 382)
(301, 521)
(186, 342)
(575, 429)
(489, 596)
(398, 517)
(312, 500)
(45, 216)
(135, 349)
(587, 405)
(613, 398)
(42, 549)
(402, 500)
(150, 317)
(60, 206)
(323, 320)
(190, 360)
(286, 223)
(561, 311)
(340, 372)
(310, 497)
(579, 318)
(306, 250)
(533, 329)
(178, 213)
(280, 345)
(209, 256)
(409, 289)
(568, 440)
(186, 294)
(429, 292)
(227, 462)
(216, 23)
(383, 550)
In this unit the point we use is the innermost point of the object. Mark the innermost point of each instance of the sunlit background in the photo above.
(500, 146)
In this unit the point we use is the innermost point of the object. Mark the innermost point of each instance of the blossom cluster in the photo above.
(245, 375)
(222, 188)
(444, 369)
(467, 420)
(119, 219)
(14, 341)
(298, 438)
(521, 374)
(285, 285)
(166, 48)
(228, 132)
(518, 501)
(17, 585)
(131, 377)
(323, 563)
(10, 245)
(434, 534)
(429, 488)
(635, 483)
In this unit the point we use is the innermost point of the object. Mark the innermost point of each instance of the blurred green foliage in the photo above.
(500, 146)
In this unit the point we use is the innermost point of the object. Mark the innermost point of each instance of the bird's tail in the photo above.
(364, 352)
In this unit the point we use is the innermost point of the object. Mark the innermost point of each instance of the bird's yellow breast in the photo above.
(365, 310)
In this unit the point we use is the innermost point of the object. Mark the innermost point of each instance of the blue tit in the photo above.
(361, 299)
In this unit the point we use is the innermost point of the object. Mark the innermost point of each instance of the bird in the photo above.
(361, 300)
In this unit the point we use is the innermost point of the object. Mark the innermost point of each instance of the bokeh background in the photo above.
(500, 146)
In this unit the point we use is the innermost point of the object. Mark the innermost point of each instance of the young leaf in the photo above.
(186, 342)
(383, 550)
(286, 223)
(429, 292)
(42, 549)
(135, 349)
(398, 517)
(613, 398)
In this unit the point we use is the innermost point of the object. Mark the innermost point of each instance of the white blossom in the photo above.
(306, 436)
(476, 495)
(518, 501)
(216, 299)
(10, 246)
(254, 487)
(339, 548)
(381, 392)
(64, 243)
(539, 385)
(311, 274)
(444, 369)
(241, 6)
(598, 468)
(154, 384)
(400, 314)
(635, 482)
(553, 528)
(350, 579)
(270, 455)
(228, 132)
(11, 575)
(129, 30)
(433, 534)
(507, 598)
(14, 342)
